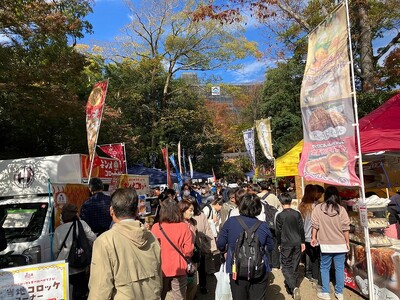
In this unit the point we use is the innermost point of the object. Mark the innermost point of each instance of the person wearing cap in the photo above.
(77, 276)
(96, 210)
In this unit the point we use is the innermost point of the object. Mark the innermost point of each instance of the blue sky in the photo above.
(109, 16)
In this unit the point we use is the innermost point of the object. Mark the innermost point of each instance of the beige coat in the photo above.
(126, 264)
(205, 237)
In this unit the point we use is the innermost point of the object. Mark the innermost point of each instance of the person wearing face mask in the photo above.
(187, 192)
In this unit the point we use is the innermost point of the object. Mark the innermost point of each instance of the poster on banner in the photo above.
(263, 127)
(94, 111)
(64, 193)
(115, 151)
(248, 136)
(141, 183)
(40, 281)
(329, 151)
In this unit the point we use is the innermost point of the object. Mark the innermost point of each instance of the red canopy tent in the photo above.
(380, 129)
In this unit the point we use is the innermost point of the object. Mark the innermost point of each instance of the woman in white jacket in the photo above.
(77, 277)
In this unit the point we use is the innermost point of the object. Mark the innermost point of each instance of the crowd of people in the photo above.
(134, 258)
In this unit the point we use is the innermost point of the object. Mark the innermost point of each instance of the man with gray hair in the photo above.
(126, 260)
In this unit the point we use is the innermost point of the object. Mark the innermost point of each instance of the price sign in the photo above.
(362, 209)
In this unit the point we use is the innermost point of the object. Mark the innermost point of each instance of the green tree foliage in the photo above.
(39, 73)
(291, 20)
(146, 126)
(281, 94)
(165, 31)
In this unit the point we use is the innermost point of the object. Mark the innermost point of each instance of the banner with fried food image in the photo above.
(329, 151)
(94, 111)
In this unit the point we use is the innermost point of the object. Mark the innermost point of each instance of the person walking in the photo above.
(177, 240)
(126, 261)
(96, 210)
(291, 243)
(62, 243)
(330, 229)
(243, 288)
(313, 254)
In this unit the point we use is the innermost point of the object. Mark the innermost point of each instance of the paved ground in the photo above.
(276, 290)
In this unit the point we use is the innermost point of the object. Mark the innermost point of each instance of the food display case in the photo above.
(385, 253)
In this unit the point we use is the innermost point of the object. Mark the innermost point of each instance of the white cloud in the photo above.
(253, 71)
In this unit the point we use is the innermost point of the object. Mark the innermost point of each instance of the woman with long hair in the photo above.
(330, 229)
(313, 254)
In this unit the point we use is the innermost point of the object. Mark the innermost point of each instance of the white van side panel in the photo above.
(29, 176)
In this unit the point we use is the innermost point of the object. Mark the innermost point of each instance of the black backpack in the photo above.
(270, 212)
(80, 254)
(248, 260)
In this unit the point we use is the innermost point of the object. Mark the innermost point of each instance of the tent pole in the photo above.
(360, 165)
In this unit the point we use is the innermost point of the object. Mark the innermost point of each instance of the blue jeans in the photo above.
(326, 261)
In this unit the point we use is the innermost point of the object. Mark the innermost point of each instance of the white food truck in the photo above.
(32, 191)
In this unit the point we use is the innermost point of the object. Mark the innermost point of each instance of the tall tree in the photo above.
(291, 20)
(40, 76)
(164, 31)
(281, 93)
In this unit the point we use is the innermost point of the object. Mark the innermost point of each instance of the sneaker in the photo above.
(324, 296)
(339, 296)
(296, 293)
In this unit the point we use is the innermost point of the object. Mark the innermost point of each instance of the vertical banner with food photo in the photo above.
(263, 127)
(329, 151)
(94, 111)
(248, 136)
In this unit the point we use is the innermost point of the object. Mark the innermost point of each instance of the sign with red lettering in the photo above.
(141, 183)
(40, 281)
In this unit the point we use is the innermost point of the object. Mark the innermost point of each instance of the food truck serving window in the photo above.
(23, 222)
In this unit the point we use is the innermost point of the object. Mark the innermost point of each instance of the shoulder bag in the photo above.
(191, 268)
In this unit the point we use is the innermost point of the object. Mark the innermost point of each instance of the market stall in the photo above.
(380, 146)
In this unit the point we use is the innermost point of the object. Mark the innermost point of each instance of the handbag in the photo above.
(223, 289)
(191, 267)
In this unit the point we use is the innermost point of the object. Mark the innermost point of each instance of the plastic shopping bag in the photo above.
(223, 289)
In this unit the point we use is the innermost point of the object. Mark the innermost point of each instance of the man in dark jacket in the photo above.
(96, 210)
(291, 242)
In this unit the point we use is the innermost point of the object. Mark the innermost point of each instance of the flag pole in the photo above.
(125, 161)
(359, 156)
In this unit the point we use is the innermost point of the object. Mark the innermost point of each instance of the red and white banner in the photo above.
(167, 166)
(94, 111)
(329, 151)
(116, 151)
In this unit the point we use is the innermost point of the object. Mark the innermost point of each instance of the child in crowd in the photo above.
(291, 243)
